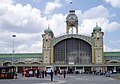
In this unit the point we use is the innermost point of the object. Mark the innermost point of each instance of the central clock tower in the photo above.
(71, 22)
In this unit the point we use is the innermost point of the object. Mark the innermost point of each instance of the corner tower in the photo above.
(46, 48)
(71, 22)
(97, 49)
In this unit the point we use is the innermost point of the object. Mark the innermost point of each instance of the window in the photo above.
(72, 47)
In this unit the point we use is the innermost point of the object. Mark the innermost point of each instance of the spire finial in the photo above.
(48, 26)
(96, 24)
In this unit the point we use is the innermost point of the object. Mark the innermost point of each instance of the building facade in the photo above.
(73, 48)
(71, 51)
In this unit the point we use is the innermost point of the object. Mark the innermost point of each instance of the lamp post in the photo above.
(13, 36)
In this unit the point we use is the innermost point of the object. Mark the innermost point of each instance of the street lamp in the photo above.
(13, 36)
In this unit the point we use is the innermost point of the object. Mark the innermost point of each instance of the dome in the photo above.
(96, 28)
(49, 31)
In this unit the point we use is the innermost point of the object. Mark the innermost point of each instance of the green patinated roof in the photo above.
(96, 28)
(23, 55)
(49, 31)
(39, 55)
(111, 53)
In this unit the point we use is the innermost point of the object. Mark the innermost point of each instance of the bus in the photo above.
(26, 71)
(7, 72)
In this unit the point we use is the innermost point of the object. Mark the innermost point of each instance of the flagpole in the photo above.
(71, 5)
(13, 36)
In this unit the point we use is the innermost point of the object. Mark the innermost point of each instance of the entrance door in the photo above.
(87, 70)
(71, 70)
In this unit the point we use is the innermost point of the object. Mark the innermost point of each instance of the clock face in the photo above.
(71, 18)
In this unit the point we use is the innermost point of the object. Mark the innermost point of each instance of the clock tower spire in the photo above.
(71, 22)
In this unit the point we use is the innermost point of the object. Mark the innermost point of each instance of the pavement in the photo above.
(70, 79)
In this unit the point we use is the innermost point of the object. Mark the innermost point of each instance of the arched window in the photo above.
(72, 50)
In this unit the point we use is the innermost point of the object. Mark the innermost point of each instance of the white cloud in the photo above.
(110, 27)
(26, 36)
(23, 42)
(34, 48)
(57, 24)
(50, 6)
(20, 18)
(88, 19)
(23, 21)
(6, 2)
(87, 26)
(114, 3)
(99, 14)
(96, 12)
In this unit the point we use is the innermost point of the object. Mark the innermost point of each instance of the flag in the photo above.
(13, 35)
(71, 2)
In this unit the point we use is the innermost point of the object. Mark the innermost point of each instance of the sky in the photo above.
(27, 19)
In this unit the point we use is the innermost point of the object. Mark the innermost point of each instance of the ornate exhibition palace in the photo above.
(71, 51)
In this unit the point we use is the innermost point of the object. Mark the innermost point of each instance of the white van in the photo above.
(49, 68)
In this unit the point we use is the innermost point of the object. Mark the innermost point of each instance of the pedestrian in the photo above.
(55, 72)
(51, 74)
(35, 73)
(31, 73)
(58, 71)
(25, 74)
(16, 75)
(22, 73)
(43, 74)
(64, 73)
(38, 72)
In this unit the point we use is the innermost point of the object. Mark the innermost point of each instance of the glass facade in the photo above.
(72, 51)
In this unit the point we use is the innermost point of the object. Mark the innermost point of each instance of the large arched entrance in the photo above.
(72, 51)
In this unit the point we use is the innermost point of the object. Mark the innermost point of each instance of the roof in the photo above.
(49, 31)
(96, 28)
(39, 55)
(22, 55)
(111, 53)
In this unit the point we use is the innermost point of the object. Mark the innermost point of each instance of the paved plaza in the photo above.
(70, 79)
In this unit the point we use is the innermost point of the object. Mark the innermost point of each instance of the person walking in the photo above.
(43, 74)
(51, 74)
(31, 73)
(38, 72)
(55, 72)
(58, 71)
(64, 73)
(16, 75)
